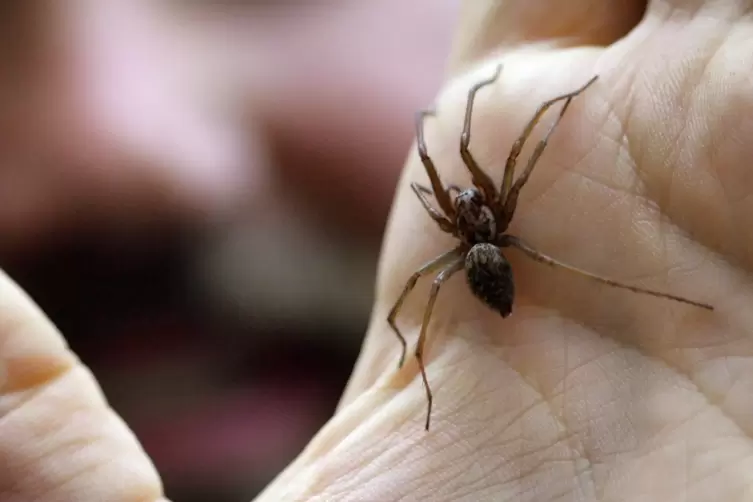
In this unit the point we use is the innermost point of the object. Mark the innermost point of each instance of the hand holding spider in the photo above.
(479, 217)
(586, 392)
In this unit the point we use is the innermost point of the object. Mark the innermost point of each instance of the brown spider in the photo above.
(479, 217)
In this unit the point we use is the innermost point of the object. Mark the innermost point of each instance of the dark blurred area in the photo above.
(195, 193)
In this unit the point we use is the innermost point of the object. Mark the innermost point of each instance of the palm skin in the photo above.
(585, 392)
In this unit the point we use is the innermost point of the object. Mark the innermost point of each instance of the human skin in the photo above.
(585, 392)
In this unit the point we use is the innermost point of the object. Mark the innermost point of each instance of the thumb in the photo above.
(493, 25)
(59, 439)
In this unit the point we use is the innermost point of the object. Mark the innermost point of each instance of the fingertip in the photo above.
(32, 352)
(59, 439)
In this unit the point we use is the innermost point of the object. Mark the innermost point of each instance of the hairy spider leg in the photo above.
(421, 191)
(440, 193)
(445, 274)
(427, 268)
(454, 188)
(507, 186)
(515, 242)
(511, 203)
(450, 188)
(480, 179)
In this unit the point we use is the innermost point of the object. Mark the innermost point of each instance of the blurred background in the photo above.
(195, 193)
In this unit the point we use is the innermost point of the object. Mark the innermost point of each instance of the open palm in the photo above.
(585, 392)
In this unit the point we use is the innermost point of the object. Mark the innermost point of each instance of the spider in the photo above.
(478, 217)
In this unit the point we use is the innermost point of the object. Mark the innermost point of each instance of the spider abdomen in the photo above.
(490, 277)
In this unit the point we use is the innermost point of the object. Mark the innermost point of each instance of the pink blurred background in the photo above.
(195, 193)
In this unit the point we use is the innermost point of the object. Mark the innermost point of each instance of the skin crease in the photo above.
(584, 392)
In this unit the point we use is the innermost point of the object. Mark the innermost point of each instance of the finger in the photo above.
(59, 440)
(732, 10)
(492, 25)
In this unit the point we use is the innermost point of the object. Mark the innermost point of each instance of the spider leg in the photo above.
(443, 222)
(450, 188)
(517, 147)
(511, 203)
(512, 241)
(479, 177)
(440, 193)
(445, 274)
(427, 268)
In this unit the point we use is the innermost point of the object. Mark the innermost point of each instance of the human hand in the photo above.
(586, 392)
(59, 439)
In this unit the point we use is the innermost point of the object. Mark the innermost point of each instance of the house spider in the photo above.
(478, 217)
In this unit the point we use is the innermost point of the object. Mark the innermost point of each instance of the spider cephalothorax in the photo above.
(474, 218)
(478, 217)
